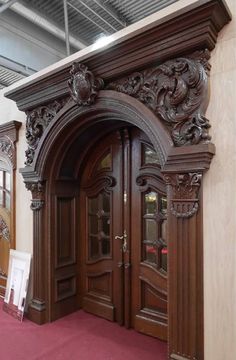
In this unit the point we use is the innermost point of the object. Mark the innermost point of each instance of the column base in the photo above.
(37, 312)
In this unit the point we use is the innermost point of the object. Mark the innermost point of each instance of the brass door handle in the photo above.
(123, 237)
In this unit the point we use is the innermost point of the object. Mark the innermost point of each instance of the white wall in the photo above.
(24, 216)
(28, 44)
(220, 202)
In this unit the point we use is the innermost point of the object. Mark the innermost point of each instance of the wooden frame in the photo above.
(8, 139)
(17, 284)
(163, 90)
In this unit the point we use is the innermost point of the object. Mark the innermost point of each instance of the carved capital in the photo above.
(37, 190)
(36, 205)
(185, 191)
(177, 92)
(36, 123)
(84, 86)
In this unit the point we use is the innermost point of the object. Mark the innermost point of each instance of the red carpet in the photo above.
(79, 336)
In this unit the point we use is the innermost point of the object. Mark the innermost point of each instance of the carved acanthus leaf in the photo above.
(36, 188)
(84, 86)
(185, 191)
(36, 205)
(7, 147)
(37, 121)
(176, 91)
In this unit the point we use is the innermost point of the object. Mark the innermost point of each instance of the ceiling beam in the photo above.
(97, 15)
(44, 23)
(88, 18)
(66, 27)
(7, 5)
(112, 12)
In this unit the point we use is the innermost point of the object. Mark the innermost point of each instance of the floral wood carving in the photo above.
(176, 91)
(7, 148)
(185, 190)
(37, 190)
(4, 230)
(37, 121)
(83, 85)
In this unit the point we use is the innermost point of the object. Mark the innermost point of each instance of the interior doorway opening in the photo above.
(109, 228)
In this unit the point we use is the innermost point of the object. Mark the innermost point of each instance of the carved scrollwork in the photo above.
(7, 148)
(4, 230)
(185, 190)
(106, 182)
(37, 121)
(84, 86)
(36, 204)
(176, 91)
(37, 190)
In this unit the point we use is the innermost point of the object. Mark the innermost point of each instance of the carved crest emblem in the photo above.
(83, 85)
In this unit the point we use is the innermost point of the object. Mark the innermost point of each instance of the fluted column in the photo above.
(185, 268)
(37, 306)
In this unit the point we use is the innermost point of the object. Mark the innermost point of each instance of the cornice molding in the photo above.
(194, 27)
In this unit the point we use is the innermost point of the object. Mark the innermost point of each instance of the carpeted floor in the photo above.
(79, 336)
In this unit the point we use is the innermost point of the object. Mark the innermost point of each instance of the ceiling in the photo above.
(88, 20)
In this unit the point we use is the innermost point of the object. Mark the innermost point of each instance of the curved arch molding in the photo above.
(156, 78)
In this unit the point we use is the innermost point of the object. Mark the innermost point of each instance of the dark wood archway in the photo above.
(157, 80)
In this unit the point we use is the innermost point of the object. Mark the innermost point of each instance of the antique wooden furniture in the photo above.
(93, 195)
(8, 139)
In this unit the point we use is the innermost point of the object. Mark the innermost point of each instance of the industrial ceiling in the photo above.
(78, 23)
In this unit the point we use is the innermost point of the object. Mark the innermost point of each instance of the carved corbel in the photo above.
(84, 86)
(184, 201)
(37, 190)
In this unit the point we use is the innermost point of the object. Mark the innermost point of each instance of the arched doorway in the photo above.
(107, 157)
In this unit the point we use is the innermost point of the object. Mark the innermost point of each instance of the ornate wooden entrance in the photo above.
(156, 79)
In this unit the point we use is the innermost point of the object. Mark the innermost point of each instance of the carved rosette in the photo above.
(37, 121)
(185, 191)
(177, 92)
(84, 86)
(7, 149)
(37, 190)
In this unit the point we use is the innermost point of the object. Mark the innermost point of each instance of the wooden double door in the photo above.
(123, 250)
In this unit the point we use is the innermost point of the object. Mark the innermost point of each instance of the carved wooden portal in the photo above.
(155, 80)
(167, 103)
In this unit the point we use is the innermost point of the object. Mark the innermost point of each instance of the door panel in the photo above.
(101, 221)
(64, 233)
(123, 221)
(148, 216)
